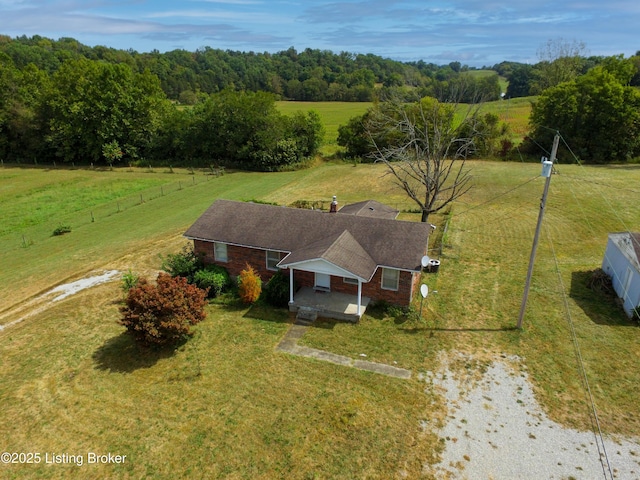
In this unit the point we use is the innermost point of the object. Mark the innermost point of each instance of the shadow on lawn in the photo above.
(600, 307)
(262, 311)
(121, 354)
(414, 330)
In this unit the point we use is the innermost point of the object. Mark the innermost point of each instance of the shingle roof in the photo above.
(342, 250)
(370, 208)
(389, 243)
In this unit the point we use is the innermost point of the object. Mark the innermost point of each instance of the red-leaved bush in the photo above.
(163, 313)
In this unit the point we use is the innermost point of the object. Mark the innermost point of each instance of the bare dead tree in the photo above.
(425, 148)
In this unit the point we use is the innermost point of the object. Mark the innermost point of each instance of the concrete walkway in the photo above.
(289, 344)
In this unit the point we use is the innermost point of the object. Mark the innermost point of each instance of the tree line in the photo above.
(63, 101)
(96, 112)
(309, 75)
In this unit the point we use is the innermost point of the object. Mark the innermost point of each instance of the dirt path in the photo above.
(42, 302)
(144, 261)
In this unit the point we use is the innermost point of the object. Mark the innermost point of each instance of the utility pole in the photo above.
(547, 167)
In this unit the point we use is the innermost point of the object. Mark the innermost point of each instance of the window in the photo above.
(220, 252)
(352, 281)
(390, 279)
(272, 259)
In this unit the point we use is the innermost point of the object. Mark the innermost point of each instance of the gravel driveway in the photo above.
(495, 429)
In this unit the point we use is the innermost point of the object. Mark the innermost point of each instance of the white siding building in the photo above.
(622, 263)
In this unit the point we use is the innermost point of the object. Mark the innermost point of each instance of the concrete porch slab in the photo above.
(339, 306)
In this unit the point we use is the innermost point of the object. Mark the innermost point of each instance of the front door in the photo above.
(323, 282)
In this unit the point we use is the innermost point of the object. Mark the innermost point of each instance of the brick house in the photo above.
(360, 252)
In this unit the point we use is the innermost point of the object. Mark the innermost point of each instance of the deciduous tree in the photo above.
(597, 115)
(92, 104)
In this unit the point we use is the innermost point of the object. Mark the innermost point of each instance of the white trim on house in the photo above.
(235, 244)
(320, 265)
(272, 263)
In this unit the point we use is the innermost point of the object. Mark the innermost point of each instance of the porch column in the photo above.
(359, 296)
(290, 285)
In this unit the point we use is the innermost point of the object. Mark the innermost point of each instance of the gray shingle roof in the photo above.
(370, 208)
(301, 232)
(341, 250)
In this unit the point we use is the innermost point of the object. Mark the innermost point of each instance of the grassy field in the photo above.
(333, 115)
(514, 112)
(225, 404)
(504, 83)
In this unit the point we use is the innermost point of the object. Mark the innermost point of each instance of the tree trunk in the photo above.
(425, 216)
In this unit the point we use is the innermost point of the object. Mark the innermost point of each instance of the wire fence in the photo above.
(28, 236)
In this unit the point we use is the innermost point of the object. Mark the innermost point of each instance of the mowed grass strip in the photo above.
(224, 405)
(33, 260)
(227, 405)
(481, 282)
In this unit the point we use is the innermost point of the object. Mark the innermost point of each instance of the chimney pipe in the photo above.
(334, 205)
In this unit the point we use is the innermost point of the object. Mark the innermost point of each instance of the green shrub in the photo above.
(61, 230)
(184, 264)
(213, 277)
(129, 280)
(276, 291)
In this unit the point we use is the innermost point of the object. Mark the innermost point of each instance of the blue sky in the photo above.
(472, 32)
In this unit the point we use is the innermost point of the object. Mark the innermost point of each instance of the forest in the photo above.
(310, 75)
(62, 101)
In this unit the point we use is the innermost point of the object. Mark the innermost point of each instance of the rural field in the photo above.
(514, 112)
(228, 405)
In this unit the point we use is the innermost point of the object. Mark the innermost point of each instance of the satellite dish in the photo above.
(425, 261)
(424, 290)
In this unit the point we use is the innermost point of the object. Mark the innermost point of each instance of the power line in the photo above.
(493, 199)
(635, 308)
(602, 451)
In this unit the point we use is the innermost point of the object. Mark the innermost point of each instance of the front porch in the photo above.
(339, 306)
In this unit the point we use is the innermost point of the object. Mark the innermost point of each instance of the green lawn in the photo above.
(514, 112)
(226, 404)
(333, 115)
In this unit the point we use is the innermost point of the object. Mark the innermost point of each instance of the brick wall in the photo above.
(238, 257)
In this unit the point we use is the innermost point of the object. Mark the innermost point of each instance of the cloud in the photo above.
(52, 20)
(435, 31)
